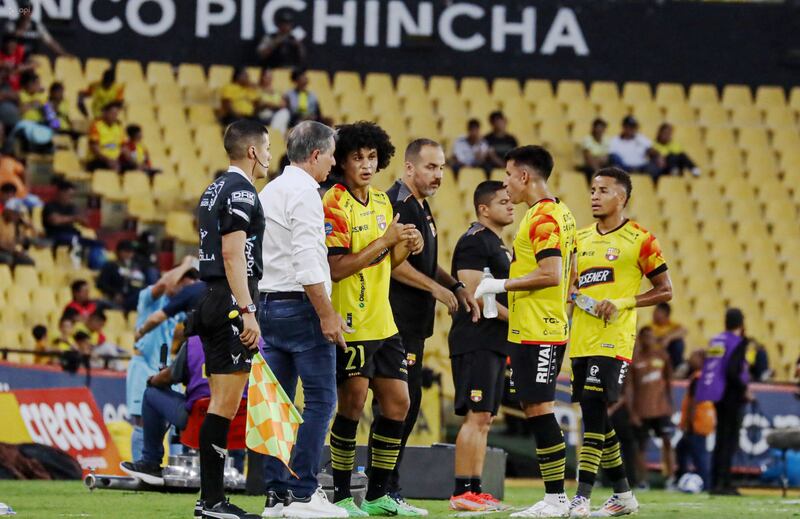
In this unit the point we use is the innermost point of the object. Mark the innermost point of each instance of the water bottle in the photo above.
(489, 300)
(587, 304)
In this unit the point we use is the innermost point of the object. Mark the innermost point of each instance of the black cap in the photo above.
(630, 120)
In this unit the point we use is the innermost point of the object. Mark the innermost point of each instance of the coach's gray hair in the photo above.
(306, 137)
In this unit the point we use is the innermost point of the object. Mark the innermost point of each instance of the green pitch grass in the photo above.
(50, 500)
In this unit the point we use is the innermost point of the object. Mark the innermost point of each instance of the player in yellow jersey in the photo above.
(613, 257)
(365, 242)
(538, 328)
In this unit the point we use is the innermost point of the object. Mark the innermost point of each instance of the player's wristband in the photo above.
(457, 285)
(624, 303)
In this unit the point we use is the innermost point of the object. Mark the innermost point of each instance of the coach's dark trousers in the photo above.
(729, 422)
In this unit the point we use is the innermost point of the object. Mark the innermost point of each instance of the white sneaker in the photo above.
(617, 505)
(398, 498)
(553, 505)
(314, 506)
(580, 507)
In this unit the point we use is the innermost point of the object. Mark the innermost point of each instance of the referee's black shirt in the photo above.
(477, 249)
(414, 309)
(228, 205)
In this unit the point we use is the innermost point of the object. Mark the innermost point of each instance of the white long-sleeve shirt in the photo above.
(294, 250)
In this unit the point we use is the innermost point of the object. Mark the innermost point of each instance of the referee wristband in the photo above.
(458, 285)
(624, 303)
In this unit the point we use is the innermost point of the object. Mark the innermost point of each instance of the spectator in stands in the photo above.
(8, 192)
(61, 215)
(102, 93)
(9, 99)
(632, 151)
(61, 109)
(78, 354)
(697, 422)
(303, 104)
(758, 360)
(469, 150)
(134, 154)
(594, 148)
(81, 303)
(669, 335)
(32, 97)
(14, 56)
(13, 182)
(14, 235)
(120, 281)
(66, 327)
(672, 160)
(238, 98)
(651, 375)
(106, 136)
(282, 48)
(271, 104)
(40, 344)
(499, 140)
(32, 33)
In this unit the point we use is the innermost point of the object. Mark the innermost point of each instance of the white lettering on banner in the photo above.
(88, 420)
(89, 21)
(206, 18)
(248, 20)
(448, 35)
(345, 21)
(502, 28)
(565, 32)
(115, 414)
(164, 23)
(63, 426)
(399, 19)
(372, 21)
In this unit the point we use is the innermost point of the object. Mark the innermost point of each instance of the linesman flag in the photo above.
(272, 419)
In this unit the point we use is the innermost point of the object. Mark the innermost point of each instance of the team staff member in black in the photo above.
(478, 351)
(231, 222)
(419, 282)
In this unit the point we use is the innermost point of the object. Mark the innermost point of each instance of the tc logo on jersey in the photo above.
(476, 395)
(612, 254)
(381, 222)
(411, 358)
(595, 276)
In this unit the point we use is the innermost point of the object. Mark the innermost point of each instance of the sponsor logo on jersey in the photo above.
(612, 254)
(360, 228)
(593, 372)
(381, 222)
(476, 395)
(595, 276)
(543, 368)
(349, 319)
(246, 197)
(328, 228)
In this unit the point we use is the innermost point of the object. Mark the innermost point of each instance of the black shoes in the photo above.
(150, 474)
(226, 510)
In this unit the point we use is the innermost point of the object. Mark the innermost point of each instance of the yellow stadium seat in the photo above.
(43, 67)
(504, 89)
(191, 74)
(770, 96)
(347, 83)
(474, 87)
(422, 125)
(581, 112)
(720, 137)
(136, 184)
(26, 276)
(129, 71)
(569, 90)
(66, 162)
(282, 79)
(636, 92)
(95, 67)
(166, 95)
(746, 115)
(385, 103)
(750, 138)
(536, 89)
(442, 86)
(702, 94)
(713, 115)
(68, 70)
(165, 186)
(648, 114)
(780, 117)
(614, 112)
(736, 95)
(601, 92)
(794, 98)
(198, 93)
(180, 225)
(201, 115)
(106, 182)
(680, 114)
(670, 93)
(468, 178)
(378, 84)
(319, 81)
(409, 85)
(219, 76)
(555, 137)
(161, 73)
(548, 109)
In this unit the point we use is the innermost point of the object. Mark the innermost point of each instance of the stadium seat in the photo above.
(636, 92)
(219, 76)
(136, 184)
(167, 95)
(201, 115)
(180, 225)
(669, 94)
(130, 72)
(43, 67)
(794, 99)
(191, 74)
(536, 89)
(753, 138)
(770, 97)
(347, 83)
(95, 67)
(779, 117)
(648, 114)
(106, 182)
(712, 114)
(68, 70)
(569, 90)
(680, 114)
(378, 84)
(746, 115)
(472, 88)
(198, 93)
(736, 95)
(409, 85)
(161, 73)
(702, 94)
(66, 162)
(602, 92)
(26, 276)
(319, 81)
(580, 114)
(504, 89)
(442, 86)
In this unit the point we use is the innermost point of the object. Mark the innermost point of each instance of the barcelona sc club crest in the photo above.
(381, 222)
(476, 395)
(612, 254)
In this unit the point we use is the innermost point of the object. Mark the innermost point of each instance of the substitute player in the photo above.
(231, 223)
(365, 241)
(478, 351)
(613, 256)
(538, 286)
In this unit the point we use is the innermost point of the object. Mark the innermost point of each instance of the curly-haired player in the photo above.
(365, 242)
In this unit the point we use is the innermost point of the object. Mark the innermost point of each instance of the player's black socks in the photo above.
(594, 429)
(612, 461)
(463, 484)
(213, 451)
(343, 455)
(384, 444)
(551, 451)
(475, 485)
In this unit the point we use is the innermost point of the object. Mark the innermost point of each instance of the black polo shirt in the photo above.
(228, 205)
(477, 249)
(414, 309)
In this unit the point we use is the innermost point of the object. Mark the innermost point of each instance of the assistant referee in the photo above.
(231, 223)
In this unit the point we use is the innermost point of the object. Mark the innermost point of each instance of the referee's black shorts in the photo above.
(479, 379)
(222, 345)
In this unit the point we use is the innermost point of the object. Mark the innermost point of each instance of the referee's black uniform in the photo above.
(228, 205)
(478, 351)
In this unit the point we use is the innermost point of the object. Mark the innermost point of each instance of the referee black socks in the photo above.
(551, 451)
(384, 445)
(343, 455)
(213, 451)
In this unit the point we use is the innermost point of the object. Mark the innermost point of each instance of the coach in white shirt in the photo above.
(298, 323)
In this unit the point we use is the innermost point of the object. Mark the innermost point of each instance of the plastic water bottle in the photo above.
(489, 300)
(587, 304)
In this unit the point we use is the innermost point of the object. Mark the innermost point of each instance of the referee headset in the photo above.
(255, 155)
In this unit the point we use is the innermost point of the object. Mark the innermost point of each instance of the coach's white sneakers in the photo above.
(553, 505)
(624, 503)
(314, 506)
(580, 507)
